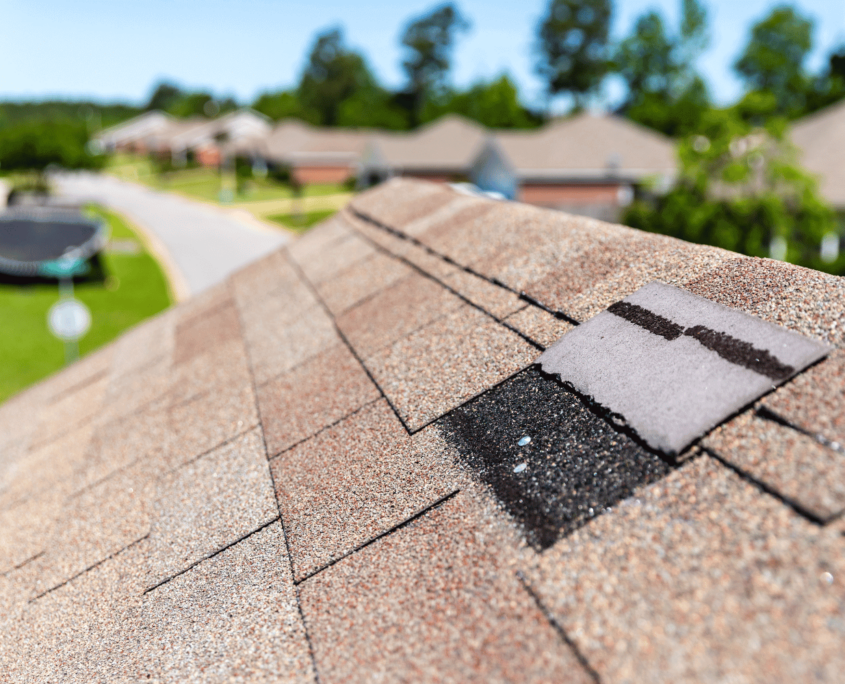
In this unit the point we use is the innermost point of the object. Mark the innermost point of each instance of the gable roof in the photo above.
(320, 468)
(820, 139)
(588, 145)
(137, 128)
(448, 145)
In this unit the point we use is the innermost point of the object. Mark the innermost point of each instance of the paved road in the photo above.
(204, 244)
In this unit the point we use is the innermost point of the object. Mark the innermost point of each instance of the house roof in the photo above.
(449, 144)
(137, 128)
(345, 464)
(588, 145)
(820, 139)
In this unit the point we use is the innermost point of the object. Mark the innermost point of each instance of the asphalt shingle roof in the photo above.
(319, 470)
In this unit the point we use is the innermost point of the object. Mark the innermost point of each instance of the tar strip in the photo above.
(731, 349)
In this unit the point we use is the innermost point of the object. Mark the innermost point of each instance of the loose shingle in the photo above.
(673, 365)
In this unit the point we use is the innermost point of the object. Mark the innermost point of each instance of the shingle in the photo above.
(205, 331)
(312, 244)
(442, 365)
(814, 400)
(360, 281)
(33, 501)
(418, 199)
(797, 298)
(208, 504)
(494, 299)
(673, 365)
(353, 482)
(81, 632)
(233, 617)
(277, 339)
(454, 209)
(312, 396)
(137, 390)
(119, 443)
(272, 281)
(70, 412)
(209, 420)
(538, 325)
(395, 312)
(94, 525)
(700, 579)
(617, 267)
(153, 339)
(336, 257)
(785, 460)
(433, 602)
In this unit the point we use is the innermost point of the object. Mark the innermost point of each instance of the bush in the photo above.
(739, 188)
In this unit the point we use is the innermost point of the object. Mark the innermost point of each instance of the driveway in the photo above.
(198, 244)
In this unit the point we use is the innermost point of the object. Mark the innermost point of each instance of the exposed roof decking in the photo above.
(349, 534)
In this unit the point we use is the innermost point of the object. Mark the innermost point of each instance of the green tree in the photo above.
(164, 96)
(828, 86)
(36, 145)
(664, 91)
(333, 74)
(573, 53)
(372, 107)
(740, 188)
(282, 105)
(428, 42)
(494, 104)
(774, 58)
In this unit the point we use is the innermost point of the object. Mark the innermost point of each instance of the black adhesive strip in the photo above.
(731, 349)
(644, 318)
(741, 353)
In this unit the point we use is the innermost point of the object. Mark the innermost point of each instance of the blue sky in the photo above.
(111, 50)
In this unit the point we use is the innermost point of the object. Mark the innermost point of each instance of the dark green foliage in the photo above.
(664, 90)
(164, 96)
(739, 188)
(773, 60)
(35, 145)
(572, 49)
(170, 98)
(95, 115)
(283, 104)
(494, 104)
(428, 42)
(333, 74)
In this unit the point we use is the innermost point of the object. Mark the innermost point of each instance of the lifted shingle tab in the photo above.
(671, 365)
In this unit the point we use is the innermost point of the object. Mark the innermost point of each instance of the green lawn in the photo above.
(134, 289)
(205, 183)
(301, 221)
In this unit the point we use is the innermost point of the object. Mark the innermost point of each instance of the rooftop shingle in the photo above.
(385, 365)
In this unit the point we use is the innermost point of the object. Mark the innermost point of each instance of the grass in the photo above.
(205, 183)
(301, 221)
(134, 289)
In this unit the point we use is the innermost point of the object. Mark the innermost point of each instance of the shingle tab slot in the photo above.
(674, 365)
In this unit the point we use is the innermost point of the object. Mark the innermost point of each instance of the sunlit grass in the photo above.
(135, 288)
(302, 221)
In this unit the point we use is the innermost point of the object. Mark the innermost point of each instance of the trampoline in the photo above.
(42, 241)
